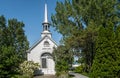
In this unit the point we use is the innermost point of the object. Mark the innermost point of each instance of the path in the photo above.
(77, 75)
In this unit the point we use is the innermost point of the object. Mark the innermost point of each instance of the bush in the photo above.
(27, 68)
(79, 69)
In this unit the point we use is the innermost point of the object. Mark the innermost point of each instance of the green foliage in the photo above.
(80, 22)
(79, 69)
(8, 61)
(13, 46)
(62, 59)
(21, 76)
(106, 63)
(17, 37)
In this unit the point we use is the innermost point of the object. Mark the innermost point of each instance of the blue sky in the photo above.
(31, 12)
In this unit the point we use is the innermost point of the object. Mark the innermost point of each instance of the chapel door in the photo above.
(48, 64)
(51, 65)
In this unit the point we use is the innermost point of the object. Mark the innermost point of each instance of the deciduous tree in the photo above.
(79, 22)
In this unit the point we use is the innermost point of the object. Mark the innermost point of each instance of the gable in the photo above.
(45, 40)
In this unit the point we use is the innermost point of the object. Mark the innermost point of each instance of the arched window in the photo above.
(46, 44)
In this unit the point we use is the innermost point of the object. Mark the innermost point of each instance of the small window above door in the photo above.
(46, 44)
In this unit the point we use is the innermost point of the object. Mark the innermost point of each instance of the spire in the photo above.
(46, 25)
(45, 16)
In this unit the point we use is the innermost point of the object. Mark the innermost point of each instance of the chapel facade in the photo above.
(41, 51)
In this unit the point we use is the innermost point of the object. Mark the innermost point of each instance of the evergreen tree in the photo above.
(13, 46)
(17, 37)
(3, 31)
(106, 63)
(9, 62)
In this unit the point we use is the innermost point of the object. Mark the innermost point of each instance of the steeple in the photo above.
(46, 24)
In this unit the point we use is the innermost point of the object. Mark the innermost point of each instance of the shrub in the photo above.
(79, 69)
(27, 68)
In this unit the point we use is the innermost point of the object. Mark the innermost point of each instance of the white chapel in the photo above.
(41, 51)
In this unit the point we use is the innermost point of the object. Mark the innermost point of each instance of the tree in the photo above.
(63, 58)
(3, 31)
(79, 22)
(106, 63)
(8, 62)
(17, 37)
(13, 46)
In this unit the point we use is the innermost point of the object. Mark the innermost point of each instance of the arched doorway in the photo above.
(47, 63)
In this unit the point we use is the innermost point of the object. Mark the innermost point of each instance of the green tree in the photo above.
(13, 46)
(106, 63)
(3, 31)
(17, 37)
(79, 21)
(62, 59)
(8, 62)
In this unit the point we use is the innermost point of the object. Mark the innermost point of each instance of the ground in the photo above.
(76, 75)
(46, 76)
(79, 76)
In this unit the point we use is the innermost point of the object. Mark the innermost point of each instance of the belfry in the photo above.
(41, 51)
